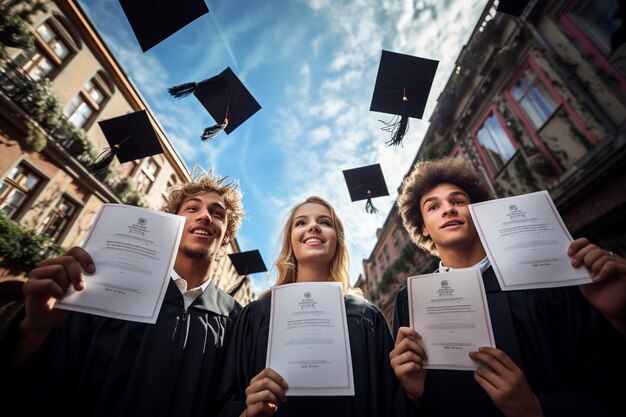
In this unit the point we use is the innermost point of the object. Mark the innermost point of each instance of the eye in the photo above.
(299, 223)
(191, 209)
(218, 213)
(432, 207)
(326, 222)
(458, 202)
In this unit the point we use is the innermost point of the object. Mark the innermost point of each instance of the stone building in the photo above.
(538, 102)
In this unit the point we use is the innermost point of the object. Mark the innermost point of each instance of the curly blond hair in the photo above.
(206, 183)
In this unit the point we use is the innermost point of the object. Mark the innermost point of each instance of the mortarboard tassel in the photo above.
(369, 207)
(398, 128)
(105, 158)
(182, 90)
(212, 131)
(237, 286)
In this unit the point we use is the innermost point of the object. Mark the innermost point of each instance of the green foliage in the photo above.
(21, 248)
(36, 138)
(41, 103)
(14, 30)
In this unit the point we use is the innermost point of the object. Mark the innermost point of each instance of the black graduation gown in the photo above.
(568, 352)
(370, 344)
(96, 366)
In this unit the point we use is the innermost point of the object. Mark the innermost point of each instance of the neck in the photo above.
(193, 270)
(456, 257)
(313, 272)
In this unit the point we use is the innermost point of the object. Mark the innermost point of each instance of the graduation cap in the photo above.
(226, 99)
(246, 263)
(365, 183)
(402, 86)
(130, 137)
(512, 7)
(153, 21)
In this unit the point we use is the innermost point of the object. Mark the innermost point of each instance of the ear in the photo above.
(226, 239)
(425, 231)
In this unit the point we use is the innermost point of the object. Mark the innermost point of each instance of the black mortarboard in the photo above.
(153, 21)
(365, 183)
(249, 262)
(246, 263)
(130, 137)
(512, 7)
(402, 86)
(225, 97)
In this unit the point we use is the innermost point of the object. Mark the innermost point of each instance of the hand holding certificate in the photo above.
(449, 310)
(134, 251)
(526, 242)
(308, 342)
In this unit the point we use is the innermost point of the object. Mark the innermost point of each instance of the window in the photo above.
(58, 218)
(51, 52)
(533, 98)
(147, 176)
(15, 190)
(496, 147)
(170, 183)
(599, 20)
(81, 110)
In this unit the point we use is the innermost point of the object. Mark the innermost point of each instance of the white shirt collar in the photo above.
(483, 265)
(189, 295)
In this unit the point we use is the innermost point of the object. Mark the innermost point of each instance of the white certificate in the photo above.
(449, 310)
(526, 242)
(308, 342)
(134, 251)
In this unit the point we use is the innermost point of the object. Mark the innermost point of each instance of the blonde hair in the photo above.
(207, 183)
(287, 264)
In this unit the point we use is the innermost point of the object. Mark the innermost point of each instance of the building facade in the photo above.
(538, 102)
(57, 80)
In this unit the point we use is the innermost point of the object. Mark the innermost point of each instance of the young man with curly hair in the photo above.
(75, 364)
(555, 352)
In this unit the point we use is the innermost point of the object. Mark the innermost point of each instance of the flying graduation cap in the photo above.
(226, 99)
(402, 86)
(512, 7)
(246, 263)
(153, 21)
(365, 183)
(130, 137)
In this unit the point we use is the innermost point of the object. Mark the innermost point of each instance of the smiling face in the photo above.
(447, 219)
(206, 221)
(313, 235)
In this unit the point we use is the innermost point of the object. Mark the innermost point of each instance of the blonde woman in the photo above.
(313, 250)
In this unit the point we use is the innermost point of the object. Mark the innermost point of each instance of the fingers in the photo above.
(266, 390)
(407, 332)
(577, 245)
(66, 269)
(601, 263)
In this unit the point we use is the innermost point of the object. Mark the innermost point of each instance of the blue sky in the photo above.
(311, 64)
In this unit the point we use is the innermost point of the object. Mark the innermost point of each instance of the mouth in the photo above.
(313, 241)
(201, 231)
(452, 223)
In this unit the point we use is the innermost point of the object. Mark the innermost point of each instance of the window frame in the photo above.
(86, 99)
(62, 231)
(31, 194)
(44, 50)
(492, 170)
(575, 28)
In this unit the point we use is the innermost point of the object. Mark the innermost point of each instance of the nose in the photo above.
(314, 227)
(449, 209)
(205, 216)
